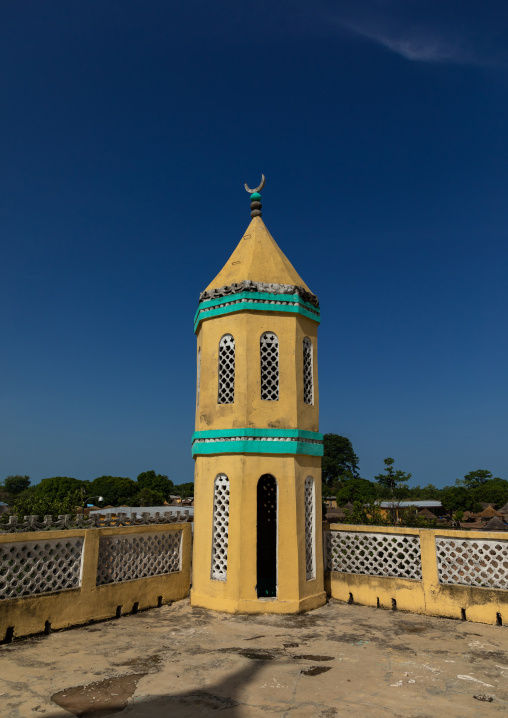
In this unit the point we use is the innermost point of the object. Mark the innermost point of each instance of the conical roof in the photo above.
(495, 524)
(489, 513)
(336, 513)
(504, 509)
(425, 513)
(257, 258)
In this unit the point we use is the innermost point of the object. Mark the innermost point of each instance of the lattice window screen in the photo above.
(269, 347)
(310, 554)
(226, 370)
(374, 554)
(199, 379)
(125, 558)
(308, 379)
(472, 562)
(220, 528)
(31, 567)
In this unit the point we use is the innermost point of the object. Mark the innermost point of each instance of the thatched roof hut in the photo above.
(334, 514)
(489, 513)
(495, 524)
(426, 514)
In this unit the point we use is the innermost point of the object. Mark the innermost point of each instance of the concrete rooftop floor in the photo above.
(339, 660)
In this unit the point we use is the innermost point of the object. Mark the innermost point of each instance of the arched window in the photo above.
(310, 512)
(199, 379)
(269, 348)
(308, 378)
(220, 528)
(226, 370)
(266, 537)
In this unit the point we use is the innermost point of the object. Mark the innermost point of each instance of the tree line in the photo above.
(341, 478)
(64, 494)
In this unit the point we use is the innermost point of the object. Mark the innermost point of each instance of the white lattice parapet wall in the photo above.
(458, 574)
(57, 579)
(125, 558)
(472, 562)
(374, 554)
(31, 567)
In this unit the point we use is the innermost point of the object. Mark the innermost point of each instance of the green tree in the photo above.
(494, 491)
(148, 497)
(366, 515)
(32, 504)
(357, 489)
(185, 490)
(14, 485)
(58, 487)
(156, 482)
(339, 460)
(391, 478)
(455, 498)
(430, 492)
(409, 517)
(402, 492)
(115, 490)
(475, 479)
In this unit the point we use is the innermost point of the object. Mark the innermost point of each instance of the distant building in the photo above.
(330, 502)
(433, 507)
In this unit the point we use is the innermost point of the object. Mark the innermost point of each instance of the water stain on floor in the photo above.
(99, 699)
(408, 627)
(315, 670)
(149, 664)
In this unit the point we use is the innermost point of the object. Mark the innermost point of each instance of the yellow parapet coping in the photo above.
(36, 613)
(429, 595)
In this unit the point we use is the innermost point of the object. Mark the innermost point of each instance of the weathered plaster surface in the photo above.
(340, 660)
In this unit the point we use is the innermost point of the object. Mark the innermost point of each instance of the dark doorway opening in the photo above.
(267, 537)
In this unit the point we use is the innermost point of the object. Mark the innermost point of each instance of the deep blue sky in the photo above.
(127, 131)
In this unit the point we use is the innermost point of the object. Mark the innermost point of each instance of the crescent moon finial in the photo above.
(255, 198)
(258, 189)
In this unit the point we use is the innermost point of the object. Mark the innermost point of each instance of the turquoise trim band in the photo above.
(266, 296)
(257, 441)
(258, 447)
(256, 307)
(275, 433)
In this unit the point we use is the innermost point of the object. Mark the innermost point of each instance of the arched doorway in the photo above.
(267, 537)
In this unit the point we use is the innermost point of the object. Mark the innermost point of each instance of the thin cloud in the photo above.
(416, 48)
(423, 31)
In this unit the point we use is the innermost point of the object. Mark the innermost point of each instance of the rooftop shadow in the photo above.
(111, 697)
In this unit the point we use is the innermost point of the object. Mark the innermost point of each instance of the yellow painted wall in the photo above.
(238, 592)
(249, 410)
(427, 596)
(75, 606)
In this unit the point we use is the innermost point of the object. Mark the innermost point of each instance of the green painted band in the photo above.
(262, 433)
(258, 447)
(267, 296)
(251, 306)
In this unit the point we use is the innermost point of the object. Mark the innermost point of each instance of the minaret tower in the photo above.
(257, 450)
